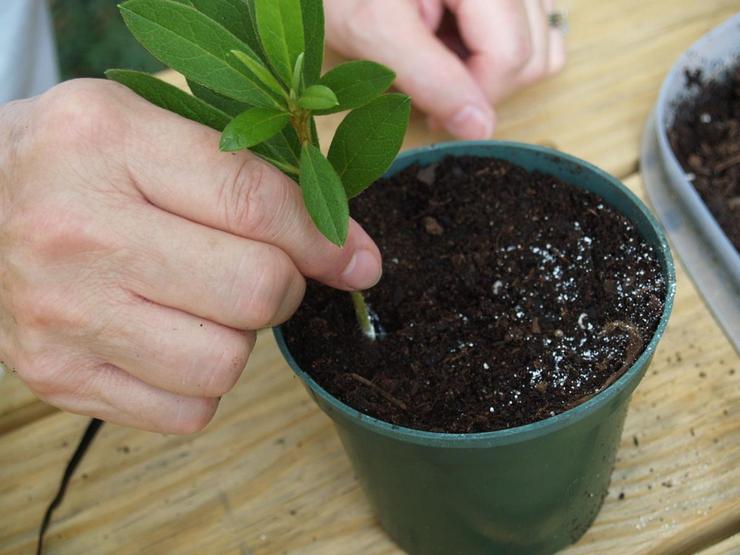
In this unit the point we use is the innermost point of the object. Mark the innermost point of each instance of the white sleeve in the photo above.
(28, 60)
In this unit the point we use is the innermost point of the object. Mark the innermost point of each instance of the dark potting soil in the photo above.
(507, 297)
(706, 140)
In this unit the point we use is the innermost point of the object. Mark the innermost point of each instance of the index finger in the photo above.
(177, 166)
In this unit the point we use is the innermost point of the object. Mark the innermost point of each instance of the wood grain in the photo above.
(730, 546)
(18, 406)
(269, 476)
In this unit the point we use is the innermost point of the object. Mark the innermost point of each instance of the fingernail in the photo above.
(471, 123)
(363, 271)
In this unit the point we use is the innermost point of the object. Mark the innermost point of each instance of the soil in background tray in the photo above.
(507, 297)
(706, 140)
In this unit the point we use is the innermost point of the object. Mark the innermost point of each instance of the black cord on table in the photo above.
(85, 441)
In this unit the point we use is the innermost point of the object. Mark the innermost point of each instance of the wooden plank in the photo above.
(18, 406)
(619, 54)
(730, 546)
(269, 475)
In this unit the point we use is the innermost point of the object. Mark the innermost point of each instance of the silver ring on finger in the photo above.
(558, 20)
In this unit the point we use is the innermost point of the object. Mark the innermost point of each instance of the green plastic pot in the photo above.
(531, 489)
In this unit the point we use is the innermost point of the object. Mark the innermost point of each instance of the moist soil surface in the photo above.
(507, 297)
(706, 140)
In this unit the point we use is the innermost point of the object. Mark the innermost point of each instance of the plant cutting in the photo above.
(525, 290)
(254, 68)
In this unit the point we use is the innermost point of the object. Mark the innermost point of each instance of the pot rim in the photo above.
(541, 427)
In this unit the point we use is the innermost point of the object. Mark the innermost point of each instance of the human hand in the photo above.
(136, 260)
(510, 45)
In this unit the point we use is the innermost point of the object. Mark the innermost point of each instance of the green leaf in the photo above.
(368, 140)
(318, 97)
(261, 72)
(169, 97)
(280, 26)
(254, 38)
(284, 148)
(296, 81)
(357, 83)
(324, 195)
(252, 127)
(196, 46)
(313, 25)
(227, 105)
(230, 14)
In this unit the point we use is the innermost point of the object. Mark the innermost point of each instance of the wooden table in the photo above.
(269, 476)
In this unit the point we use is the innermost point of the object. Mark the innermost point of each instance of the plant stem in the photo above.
(363, 315)
(301, 121)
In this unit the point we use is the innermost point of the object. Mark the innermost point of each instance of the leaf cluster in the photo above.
(254, 68)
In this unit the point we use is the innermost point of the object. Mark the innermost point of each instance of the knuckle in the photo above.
(230, 364)
(39, 311)
(243, 196)
(516, 53)
(34, 310)
(55, 228)
(293, 299)
(80, 112)
(366, 19)
(194, 415)
(41, 375)
(271, 282)
(367, 24)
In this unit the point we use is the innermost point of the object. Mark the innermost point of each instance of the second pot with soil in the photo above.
(524, 294)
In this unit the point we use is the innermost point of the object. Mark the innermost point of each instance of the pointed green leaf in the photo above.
(169, 97)
(324, 195)
(296, 81)
(230, 14)
(283, 150)
(357, 83)
(261, 72)
(368, 140)
(315, 133)
(226, 105)
(318, 97)
(254, 38)
(252, 127)
(313, 25)
(280, 26)
(196, 46)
